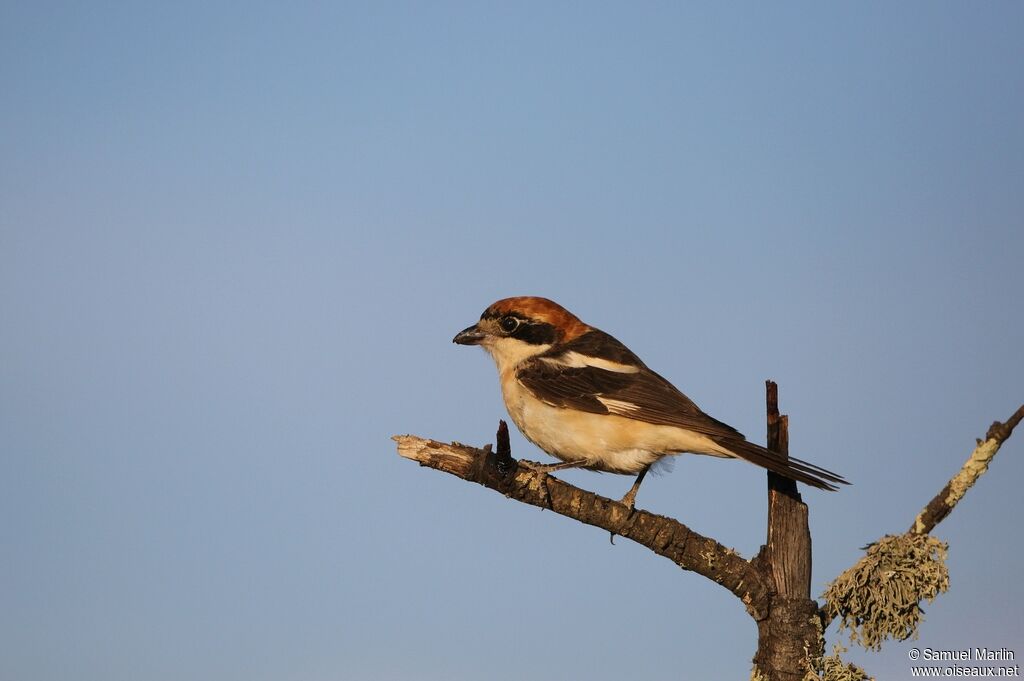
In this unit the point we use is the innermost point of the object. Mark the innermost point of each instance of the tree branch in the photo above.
(790, 636)
(665, 536)
(911, 549)
(787, 548)
(975, 466)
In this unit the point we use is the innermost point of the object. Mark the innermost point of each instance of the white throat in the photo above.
(508, 353)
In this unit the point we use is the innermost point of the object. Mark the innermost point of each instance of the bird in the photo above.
(586, 399)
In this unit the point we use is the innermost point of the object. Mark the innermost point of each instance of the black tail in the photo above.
(798, 470)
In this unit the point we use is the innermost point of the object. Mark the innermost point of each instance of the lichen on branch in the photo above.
(834, 668)
(880, 596)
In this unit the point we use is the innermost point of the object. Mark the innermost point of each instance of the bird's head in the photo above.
(513, 330)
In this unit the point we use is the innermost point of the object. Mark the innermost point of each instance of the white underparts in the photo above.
(607, 442)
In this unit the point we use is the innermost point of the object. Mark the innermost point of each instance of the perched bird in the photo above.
(585, 398)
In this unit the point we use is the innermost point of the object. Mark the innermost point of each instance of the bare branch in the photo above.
(975, 466)
(665, 536)
(787, 548)
(791, 634)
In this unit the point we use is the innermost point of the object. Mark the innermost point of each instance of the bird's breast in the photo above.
(607, 442)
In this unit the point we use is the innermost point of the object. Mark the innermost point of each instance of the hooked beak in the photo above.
(471, 335)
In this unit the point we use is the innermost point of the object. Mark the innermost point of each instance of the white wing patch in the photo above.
(617, 406)
(578, 361)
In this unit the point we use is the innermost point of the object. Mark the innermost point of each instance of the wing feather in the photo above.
(588, 374)
(595, 373)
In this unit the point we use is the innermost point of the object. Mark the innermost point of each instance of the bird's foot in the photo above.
(629, 501)
(550, 467)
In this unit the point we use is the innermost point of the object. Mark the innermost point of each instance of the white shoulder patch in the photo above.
(578, 361)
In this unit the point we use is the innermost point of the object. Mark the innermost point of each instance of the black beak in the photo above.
(470, 335)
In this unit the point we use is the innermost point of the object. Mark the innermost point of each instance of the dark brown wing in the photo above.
(562, 379)
(597, 374)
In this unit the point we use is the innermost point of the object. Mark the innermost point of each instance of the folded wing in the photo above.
(597, 374)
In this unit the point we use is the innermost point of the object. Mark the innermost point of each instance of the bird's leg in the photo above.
(551, 467)
(630, 498)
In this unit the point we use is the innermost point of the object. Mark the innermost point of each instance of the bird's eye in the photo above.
(509, 324)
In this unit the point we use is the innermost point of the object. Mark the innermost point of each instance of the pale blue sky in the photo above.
(235, 243)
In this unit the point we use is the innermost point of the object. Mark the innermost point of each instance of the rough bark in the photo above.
(665, 536)
(774, 586)
(791, 633)
(975, 466)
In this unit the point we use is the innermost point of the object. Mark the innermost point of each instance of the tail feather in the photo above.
(795, 469)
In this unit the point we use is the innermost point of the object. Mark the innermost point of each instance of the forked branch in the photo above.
(771, 601)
